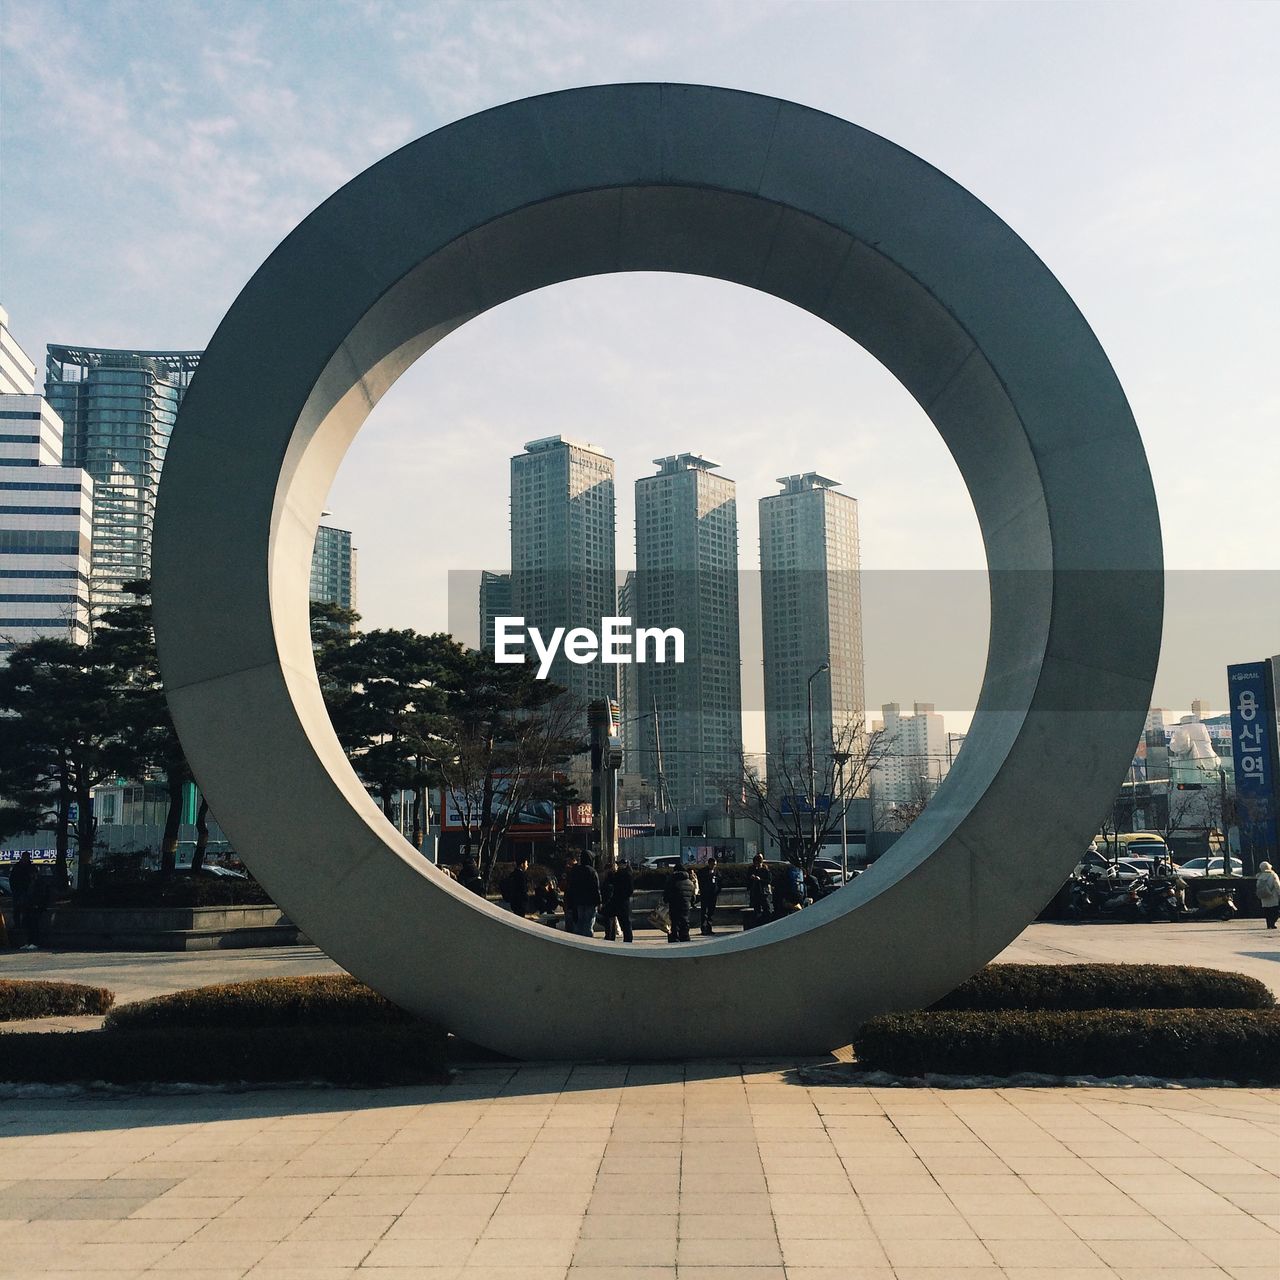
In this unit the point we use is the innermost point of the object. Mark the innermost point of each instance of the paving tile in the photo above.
(757, 1252)
(959, 1254)
(593, 1272)
(628, 1251)
(924, 1227)
(196, 1256)
(726, 1226)
(534, 1253)
(416, 1253)
(629, 1226)
(1124, 1227)
(1150, 1253)
(833, 1253)
(1044, 1253)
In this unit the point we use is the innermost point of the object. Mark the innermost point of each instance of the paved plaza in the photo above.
(696, 1171)
(707, 1172)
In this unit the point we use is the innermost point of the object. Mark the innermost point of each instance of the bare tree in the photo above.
(798, 813)
(1183, 811)
(898, 815)
(498, 751)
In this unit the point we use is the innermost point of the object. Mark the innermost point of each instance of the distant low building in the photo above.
(917, 757)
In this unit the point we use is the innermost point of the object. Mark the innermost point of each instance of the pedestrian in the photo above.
(678, 895)
(760, 890)
(617, 890)
(1268, 893)
(709, 891)
(547, 899)
(470, 878)
(581, 896)
(792, 895)
(515, 887)
(26, 913)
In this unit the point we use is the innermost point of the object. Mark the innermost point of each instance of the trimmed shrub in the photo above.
(321, 1001)
(1224, 1044)
(369, 1055)
(1106, 986)
(180, 890)
(19, 999)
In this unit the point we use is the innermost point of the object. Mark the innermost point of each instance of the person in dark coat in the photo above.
(760, 890)
(581, 897)
(709, 885)
(22, 884)
(469, 877)
(515, 888)
(547, 901)
(678, 896)
(616, 912)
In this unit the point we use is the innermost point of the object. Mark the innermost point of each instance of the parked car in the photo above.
(832, 868)
(1094, 864)
(1195, 867)
(1152, 864)
(663, 863)
(223, 873)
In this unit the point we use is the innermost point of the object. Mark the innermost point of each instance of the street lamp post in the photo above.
(842, 759)
(813, 784)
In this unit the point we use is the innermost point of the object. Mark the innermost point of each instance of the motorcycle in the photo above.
(1158, 898)
(1101, 896)
(1214, 904)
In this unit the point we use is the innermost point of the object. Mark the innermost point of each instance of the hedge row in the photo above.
(33, 999)
(377, 1055)
(1216, 1044)
(1106, 986)
(324, 1000)
(180, 890)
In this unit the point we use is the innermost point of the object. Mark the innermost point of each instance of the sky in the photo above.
(153, 152)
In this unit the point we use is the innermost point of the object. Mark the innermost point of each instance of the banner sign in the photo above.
(1253, 746)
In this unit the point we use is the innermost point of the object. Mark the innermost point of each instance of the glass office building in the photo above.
(333, 568)
(118, 410)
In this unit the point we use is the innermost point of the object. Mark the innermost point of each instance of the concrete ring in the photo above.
(784, 199)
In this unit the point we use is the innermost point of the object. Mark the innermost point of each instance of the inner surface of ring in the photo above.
(733, 237)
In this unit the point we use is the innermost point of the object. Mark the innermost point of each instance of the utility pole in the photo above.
(664, 792)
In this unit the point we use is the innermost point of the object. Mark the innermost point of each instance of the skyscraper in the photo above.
(333, 568)
(495, 602)
(687, 577)
(563, 561)
(118, 409)
(46, 513)
(811, 613)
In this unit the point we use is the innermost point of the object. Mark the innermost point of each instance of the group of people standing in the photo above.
(588, 897)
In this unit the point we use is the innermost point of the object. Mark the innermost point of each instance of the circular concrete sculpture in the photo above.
(768, 194)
